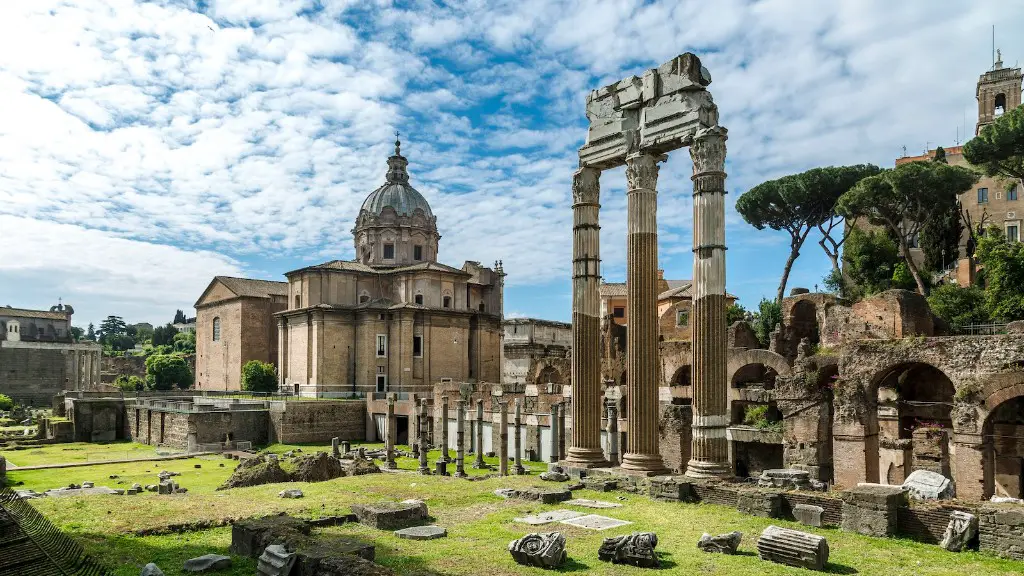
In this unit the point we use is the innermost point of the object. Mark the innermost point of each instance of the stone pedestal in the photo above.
(585, 448)
(478, 462)
(518, 433)
(709, 454)
(870, 509)
(335, 447)
(642, 367)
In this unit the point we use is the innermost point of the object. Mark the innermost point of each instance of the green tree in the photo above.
(870, 259)
(798, 203)
(179, 317)
(767, 317)
(1003, 265)
(957, 306)
(185, 342)
(110, 329)
(999, 148)
(6, 403)
(904, 198)
(259, 376)
(165, 371)
(143, 334)
(735, 313)
(77, 333)
(940, 237)
(163, 335)
(130, 383)
(90, 333)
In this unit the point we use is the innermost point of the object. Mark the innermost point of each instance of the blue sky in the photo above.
(147, 146)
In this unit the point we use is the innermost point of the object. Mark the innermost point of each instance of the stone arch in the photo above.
(682, 376)
(743, 358)
(1002, 437)
(547, 373)
(803, 321)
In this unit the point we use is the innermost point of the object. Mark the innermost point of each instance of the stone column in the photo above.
(460, 440)
(518, 433)
(76, 370)
(561, 430)
(423, 469)
(335, 447)
(613, 434)
(282, 356)
(553, 457)
(389, 434)
(478, 463)
(585, 449)
(444, 429)
(642, 368)
(503, 442)
(710, 448)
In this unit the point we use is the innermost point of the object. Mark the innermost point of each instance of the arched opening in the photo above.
(1003, 438)
(418, 299)
(827, 376)
(682, 377)
(1000, 104)
(216, 329)
(549, 374)
(912, 422)
(622, 379)
(755, 422)
(755, 376)
(446, 302)
(803, 321)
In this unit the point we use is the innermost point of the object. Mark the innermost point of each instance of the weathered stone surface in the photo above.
(390, 515)
(928, 485)
(671, 488)
(1001, 531)
(422, 533)
(870, 509)
(151, 569)
(809, 515)
(88, 484)
(595, 522)
(549, 517)
(544, 495)
(793, 548)
(276, 560)
(723, 543)
(315, 467)
(760, 503)
(593, 503)
(208, 563)
(291, 493)
(554, 476)
(1006, 499)
(249, 537)
(546, 550)
(636, 549)
(332, 553)
(962, 528)
(505, 492)
(785, 478)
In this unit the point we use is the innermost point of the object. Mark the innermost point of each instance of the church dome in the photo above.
(396, 192)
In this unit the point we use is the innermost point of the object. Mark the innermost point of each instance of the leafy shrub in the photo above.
(5, 402)
(165, 371)
(130, 383)
(259, 376)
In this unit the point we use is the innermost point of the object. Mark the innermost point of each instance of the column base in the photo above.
(708, 470)
(479, 465)
(585, 458)
(645, 464)
(519, 471)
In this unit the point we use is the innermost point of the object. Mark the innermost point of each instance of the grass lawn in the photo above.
(479, 525)
(78, 452)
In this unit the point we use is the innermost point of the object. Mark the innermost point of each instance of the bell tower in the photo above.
(998, 92)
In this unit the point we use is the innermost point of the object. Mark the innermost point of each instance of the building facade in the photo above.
(393, 319)
(536, 351)
(674, 303)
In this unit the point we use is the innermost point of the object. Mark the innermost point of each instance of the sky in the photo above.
(146, 147)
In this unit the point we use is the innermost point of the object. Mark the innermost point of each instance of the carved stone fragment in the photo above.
(723, 543)
(962, 528)
(545, 550)
(793, 548)
(636, 549)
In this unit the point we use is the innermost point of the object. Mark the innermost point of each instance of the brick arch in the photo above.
(545, 373)
(1000, 388)
(741, 358)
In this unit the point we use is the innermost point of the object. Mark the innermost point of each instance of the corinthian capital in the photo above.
(708, 150)
(586, 186)
(642, 171)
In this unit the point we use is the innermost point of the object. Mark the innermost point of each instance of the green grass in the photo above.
(78, 452)
(479, 524)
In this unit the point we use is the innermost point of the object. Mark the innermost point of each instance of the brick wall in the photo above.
(317, 421)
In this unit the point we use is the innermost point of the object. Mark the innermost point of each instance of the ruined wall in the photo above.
(675, 435)
(101, 420)
(242, 425)
(317, 421)
(114, 366)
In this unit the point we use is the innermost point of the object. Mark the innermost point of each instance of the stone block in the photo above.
(1001, 531)
(249, 537)
(276, 560)
(151, 569)
(785, 479)
(636, 549)
(290, 493)
(422, 533)
(792, 548)
(760, 503)
(545, 550)
(671, 488)
(928, 485)
(544, 495)
(316, 555)
(809, 515)
(723, 543)
(600, 484)
(962, 528)
(208, 563)
(870, 509)
(391, 515)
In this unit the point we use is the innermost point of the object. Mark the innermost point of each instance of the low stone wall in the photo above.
(1001, 531)
(925, 523)
(299, 421)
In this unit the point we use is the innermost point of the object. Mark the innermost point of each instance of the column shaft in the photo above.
(585, 449)
(444, 429)
(710, 448)
(478, 462)
(642, 369)
(518, 469)
(423, 469)
(460, 439)
(389, 445)
(503, 436)
(553, 456)
(613, 434)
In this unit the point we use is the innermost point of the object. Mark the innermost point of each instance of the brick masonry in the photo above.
(317, 421)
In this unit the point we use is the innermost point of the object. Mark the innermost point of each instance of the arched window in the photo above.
(418, 299)
(364, 297)
(446, 302)
(216, 328)
(1000, 106)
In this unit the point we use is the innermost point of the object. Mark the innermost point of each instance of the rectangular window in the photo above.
(417, 346)
(619, 312)
(382, 345)
(1011, 194)
(982, 195)
(682, 318)
(418, 299)
(382, 383)
(417, 253)
(380, 369)
(389, 251)
(1013, 233)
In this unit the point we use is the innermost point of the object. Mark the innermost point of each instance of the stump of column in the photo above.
(642, 368)
(444, 429)
(613, 434)
(503, 439)
(389, 446)
(710, 448)
(585, 446)
(460, 440)
(518, 468)
(335, 447)
(478, 463)
(553, 457)
(424, 468)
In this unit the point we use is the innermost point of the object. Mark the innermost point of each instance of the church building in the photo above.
(394, 319)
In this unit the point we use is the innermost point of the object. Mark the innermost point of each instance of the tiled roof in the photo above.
(23, 313)
(254, 288)
(613, 289)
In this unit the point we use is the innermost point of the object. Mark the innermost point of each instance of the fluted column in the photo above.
(710, 448)
(518, 434)
(585, 450)
(423, 469)
(389, 435)
(478, 462)
(642, 379)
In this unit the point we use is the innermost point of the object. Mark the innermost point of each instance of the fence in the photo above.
(30, 545)
(981, 330)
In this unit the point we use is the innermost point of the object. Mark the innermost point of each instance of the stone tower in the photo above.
(998, 92)
(395, 226)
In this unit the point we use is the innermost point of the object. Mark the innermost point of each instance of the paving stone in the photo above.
(208, 563)
(548, 517)
(595, 522)
(593, 503)
(422, 533)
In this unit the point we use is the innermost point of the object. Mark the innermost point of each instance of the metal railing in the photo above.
(981, 330)
(30, 545)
